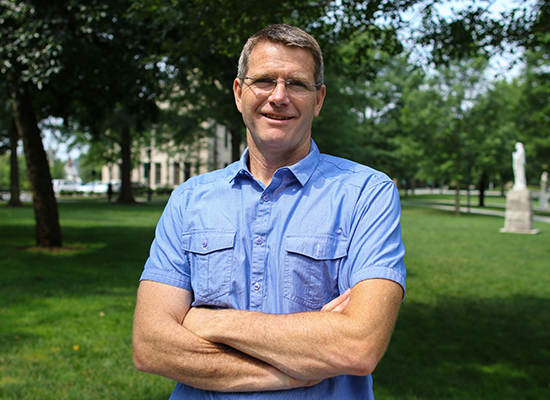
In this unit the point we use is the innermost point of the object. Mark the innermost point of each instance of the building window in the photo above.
(158, 170)
(186, 170)
(177, 172)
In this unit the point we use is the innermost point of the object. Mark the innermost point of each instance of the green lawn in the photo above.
(476, 320)
(475, 323)
(66, 319)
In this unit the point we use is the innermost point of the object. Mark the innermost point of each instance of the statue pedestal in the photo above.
(543, 201)
(519, 213)
(543, 196)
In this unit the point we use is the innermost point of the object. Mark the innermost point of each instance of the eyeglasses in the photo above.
(294, 87)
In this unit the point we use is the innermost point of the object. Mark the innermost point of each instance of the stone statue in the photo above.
(519, 211)
(518, 158)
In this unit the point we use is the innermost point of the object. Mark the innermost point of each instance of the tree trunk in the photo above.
(482, 184)
(15, 191)
(125, 195)
(48, 230)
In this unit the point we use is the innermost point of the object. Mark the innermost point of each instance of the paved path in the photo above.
(473, 210)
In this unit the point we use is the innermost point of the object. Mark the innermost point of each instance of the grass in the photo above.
(474, 324)
(475, 321)
(66, 318)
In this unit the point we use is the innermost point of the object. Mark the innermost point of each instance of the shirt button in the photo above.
(259, 241)
(204, 244)
(256, 286)
(266, 198)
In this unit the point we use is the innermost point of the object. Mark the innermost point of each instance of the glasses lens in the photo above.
(294, 87)
(297, 88)
(265, 84)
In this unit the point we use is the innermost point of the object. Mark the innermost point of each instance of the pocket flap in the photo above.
(204, 242)
(320, 247)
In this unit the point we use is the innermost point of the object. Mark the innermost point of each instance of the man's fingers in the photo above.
(342, 306)
(338, 304)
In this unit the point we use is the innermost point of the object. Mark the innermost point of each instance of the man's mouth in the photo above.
(277, 117)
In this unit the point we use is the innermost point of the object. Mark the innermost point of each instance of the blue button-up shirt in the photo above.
(320, 227)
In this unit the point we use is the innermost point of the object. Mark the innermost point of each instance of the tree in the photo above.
(9, 140)
(201, 40)
(493, 125)
(475, 30)
(436, 115)
(81, 61)
(533, 113)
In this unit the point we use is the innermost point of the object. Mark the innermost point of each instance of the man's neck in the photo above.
(262, 165)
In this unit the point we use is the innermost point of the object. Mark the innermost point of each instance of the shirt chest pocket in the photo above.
(312, 264)
(210, 255)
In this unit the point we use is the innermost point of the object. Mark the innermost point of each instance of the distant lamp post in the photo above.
(148, 174)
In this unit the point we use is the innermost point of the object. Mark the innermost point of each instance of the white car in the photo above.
(103, 187)
(64, 186)
(88, 188)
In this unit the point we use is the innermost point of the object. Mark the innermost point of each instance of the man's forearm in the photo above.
(293, 343)
(311, 345)
(210, 366)
(164, 347)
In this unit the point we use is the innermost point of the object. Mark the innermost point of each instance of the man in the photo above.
(281, 276)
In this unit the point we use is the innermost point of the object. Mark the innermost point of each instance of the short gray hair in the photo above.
(287, 35)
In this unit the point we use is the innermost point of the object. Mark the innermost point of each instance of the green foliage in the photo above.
(534, 113)
(5, 172)
(474, 30)
(493, 126)
(435, 115)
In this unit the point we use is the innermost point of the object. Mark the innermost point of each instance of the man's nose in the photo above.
(279, 93)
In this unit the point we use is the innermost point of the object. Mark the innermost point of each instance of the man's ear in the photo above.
(238, 92)
(321, 93)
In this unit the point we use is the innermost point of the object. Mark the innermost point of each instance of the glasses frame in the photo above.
(309, 86)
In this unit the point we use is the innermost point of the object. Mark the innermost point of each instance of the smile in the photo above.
(277, 117)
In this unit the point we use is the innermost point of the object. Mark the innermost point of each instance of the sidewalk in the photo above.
(472, 210)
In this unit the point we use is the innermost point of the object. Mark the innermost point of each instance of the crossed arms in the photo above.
(234, 350)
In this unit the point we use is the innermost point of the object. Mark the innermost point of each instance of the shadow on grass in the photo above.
(469, 349)
(104, 258)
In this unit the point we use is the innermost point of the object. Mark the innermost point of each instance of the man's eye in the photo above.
(297, 83)
(263, 81)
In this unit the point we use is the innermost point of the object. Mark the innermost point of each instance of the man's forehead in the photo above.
(268, 54)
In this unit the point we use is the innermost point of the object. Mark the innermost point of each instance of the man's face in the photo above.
(277, 122)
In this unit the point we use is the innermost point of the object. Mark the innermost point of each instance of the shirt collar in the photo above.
(302, 170)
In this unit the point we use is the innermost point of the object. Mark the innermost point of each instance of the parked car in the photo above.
(88, 188)
(103, 187)
(64, 186)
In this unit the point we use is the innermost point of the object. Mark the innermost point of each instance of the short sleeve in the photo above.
(376, 249)
(167, 262)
